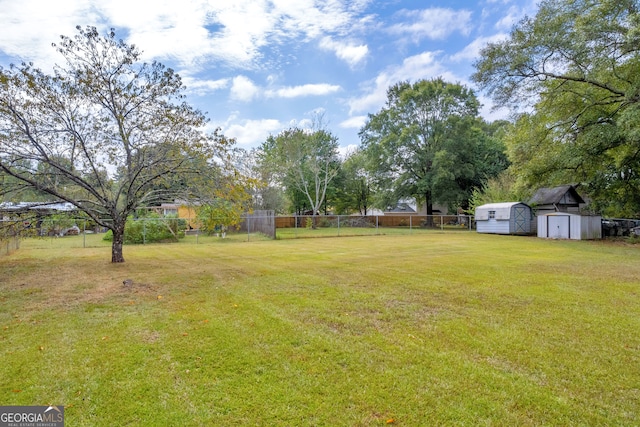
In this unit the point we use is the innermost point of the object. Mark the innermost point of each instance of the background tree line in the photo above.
(110, 134)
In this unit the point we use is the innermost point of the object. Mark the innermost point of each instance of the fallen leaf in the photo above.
(391, 421)
(159, 296)
(17, 391)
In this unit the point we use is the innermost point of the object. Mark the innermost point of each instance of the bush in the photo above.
(151, 229)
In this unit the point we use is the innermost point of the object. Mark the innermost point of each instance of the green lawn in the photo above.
(409, 330)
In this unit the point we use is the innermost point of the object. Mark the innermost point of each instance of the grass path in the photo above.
(428, 329)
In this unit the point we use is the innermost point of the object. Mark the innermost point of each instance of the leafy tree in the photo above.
(428, 143)
(304, 162)
(576, 66)
(218, 216)
(354, 186)
(104, 132)
(264, 194)
(501, 188)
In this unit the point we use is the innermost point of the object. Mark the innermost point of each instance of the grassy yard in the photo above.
(407, 330)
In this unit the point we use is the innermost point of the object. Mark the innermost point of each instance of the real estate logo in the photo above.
(31, 416)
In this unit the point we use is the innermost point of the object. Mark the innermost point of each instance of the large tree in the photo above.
(304, 162)
(575, 69)
(105, 131)
(354, 185)
(428, 142)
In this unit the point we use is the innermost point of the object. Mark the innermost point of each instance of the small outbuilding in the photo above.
(563, 225)
(564, 198)
(505, 218)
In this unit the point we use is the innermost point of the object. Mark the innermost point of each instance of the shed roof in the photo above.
(502, 205)
(549, 196)
(502, 210)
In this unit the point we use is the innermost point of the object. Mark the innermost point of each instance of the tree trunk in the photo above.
(429, 207)
(116, 245)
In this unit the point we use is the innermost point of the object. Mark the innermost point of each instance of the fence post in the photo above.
(410, 224)
(248, 218)
(338, 225)
(441, 223)
(144, 232)
(84, 234)
(377, 225)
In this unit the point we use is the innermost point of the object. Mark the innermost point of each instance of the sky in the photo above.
(257, 67)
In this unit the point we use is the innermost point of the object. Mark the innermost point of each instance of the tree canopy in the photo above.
(428, 142)
(304, 162)
(574, 69)
(104, 131)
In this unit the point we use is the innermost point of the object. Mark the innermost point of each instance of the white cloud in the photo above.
(514, 14)
(490, 112)
(251, 132)
(413, 68)
(472, 50)
(347, 150)
(355, 122)
(191, 32)
(352, 54)
(30, 26)
(303, 90)
(203, 87)
(243, 89)
(434, 23)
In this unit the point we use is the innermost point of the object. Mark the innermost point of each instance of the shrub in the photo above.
(152, 229)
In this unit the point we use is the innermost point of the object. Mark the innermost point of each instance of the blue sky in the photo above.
(256, 67)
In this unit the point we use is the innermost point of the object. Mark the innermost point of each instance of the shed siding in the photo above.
(569, 226)
(509, 218)
(493, 226)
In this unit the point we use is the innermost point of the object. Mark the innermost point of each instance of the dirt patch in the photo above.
(68, 285)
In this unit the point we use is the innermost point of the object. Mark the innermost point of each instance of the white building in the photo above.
(505, 218)
(563, 225)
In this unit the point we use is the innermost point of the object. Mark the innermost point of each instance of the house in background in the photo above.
(180, 209)
(401, 209)
(412, 207)
(563, 198)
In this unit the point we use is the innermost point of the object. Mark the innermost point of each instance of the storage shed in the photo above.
(564, 198)
(504, 218)
(562, 225)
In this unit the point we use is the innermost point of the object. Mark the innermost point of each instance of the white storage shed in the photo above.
(563, 225)
(505, 218)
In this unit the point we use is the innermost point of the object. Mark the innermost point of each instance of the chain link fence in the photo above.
(259, 225)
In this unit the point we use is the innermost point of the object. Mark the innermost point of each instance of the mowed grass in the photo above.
(422, 329)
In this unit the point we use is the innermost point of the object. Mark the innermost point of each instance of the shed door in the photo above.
(521, 221)
(558, 226)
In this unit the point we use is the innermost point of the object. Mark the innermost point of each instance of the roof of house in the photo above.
(401, 208)
(35, 206)
(550, 196)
